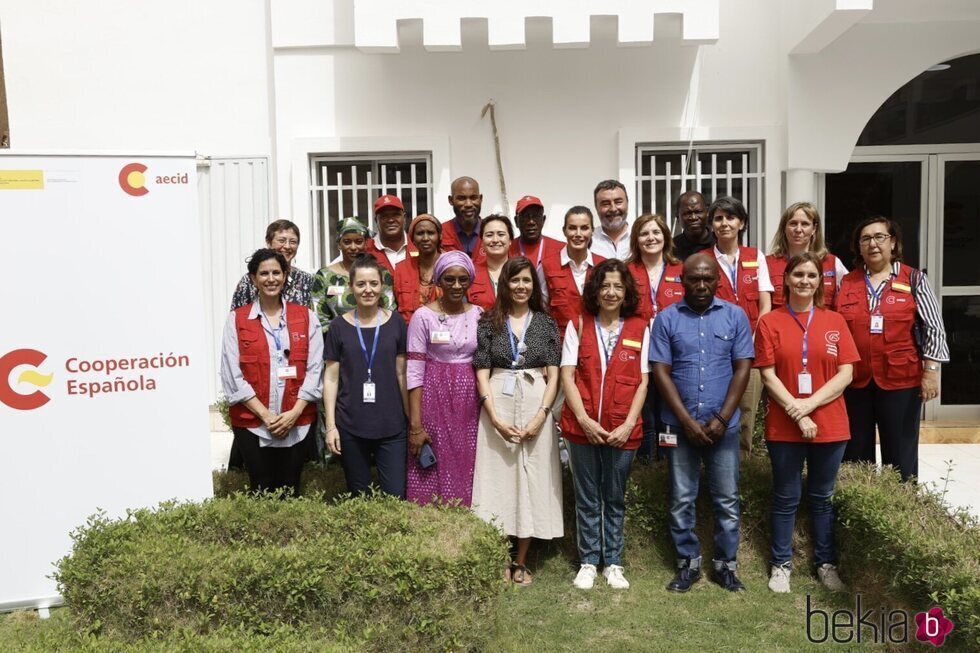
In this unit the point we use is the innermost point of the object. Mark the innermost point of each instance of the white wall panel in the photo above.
(234, 207)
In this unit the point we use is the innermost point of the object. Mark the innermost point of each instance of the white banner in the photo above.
(103, 393)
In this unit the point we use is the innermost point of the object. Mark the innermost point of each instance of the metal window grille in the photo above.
(347, 185)
(665, 171)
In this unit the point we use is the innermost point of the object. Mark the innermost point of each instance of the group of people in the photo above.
(459, 359)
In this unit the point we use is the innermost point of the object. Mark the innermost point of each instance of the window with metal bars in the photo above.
(665, 171)
(346, 185)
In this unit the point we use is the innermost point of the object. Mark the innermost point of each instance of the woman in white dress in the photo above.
(517, 483)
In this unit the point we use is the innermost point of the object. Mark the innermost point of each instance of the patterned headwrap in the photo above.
(352, 225)
(451, 259)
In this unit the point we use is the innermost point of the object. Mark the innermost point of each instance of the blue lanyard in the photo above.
(520, 246)
(876, 294)
(374, 345)
(655, 288)
(276, 335)
(805, 329)
(608, 351)
(515, 349)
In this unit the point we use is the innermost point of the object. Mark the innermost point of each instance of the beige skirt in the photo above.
(517, 487)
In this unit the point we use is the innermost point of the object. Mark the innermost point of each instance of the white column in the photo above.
(801, 186)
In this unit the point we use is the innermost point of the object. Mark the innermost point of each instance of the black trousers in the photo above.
(897, 414)
(390, 455)
(271, 468)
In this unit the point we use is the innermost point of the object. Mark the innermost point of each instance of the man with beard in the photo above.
(530, 219)
(695, 234)
(462, 233)
(612, 206)
(701, 349)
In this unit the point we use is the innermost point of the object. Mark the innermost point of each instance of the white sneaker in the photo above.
(585, 578)
(614, 577)
(827, 574)
(779, 579)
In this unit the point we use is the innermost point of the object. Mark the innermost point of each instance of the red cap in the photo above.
(526, 201)
(388, 200)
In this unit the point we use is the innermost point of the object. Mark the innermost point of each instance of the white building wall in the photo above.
(123, 75)
(283, 78)
(562, 113)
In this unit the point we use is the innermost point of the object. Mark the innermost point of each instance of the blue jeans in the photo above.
(599, 474)
(388, 454)
(651, 424)
(721, 463)
(822, 462)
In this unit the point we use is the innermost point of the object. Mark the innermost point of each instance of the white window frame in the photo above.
(704, 181)
(309, 256)
(375, 185)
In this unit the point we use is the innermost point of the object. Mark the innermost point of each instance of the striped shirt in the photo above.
(934, 346)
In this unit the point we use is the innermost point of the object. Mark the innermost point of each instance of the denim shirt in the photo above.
(701, 350)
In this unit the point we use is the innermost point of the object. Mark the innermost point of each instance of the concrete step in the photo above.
(949, 432)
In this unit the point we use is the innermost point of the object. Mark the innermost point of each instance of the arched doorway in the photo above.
(918, 162)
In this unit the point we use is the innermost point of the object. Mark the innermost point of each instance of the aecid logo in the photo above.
(133, 178)
(14, 359)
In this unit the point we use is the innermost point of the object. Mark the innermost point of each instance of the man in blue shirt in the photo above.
(701, 349)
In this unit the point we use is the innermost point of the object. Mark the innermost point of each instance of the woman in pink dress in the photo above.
(443, 406)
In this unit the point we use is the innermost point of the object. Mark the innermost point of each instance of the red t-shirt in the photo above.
(779, 343)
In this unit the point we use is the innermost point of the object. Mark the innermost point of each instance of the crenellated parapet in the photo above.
(376, 21)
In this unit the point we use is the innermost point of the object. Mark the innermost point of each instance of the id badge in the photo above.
(667, 439)
(510, 385)
(369, 392)
(877, 324)
(805, 383)
(287, 372)
(333, 291)
(440, 338)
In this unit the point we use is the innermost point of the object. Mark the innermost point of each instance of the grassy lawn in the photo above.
(551, 615)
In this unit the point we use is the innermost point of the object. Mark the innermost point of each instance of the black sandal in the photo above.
(525, 579)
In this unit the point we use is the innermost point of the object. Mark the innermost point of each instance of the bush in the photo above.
(377, 573)
(906, 536)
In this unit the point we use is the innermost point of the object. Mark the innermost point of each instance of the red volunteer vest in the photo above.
(255, 360)
(777, 271)
(747, 280)
(382, 257)
(670, 291)
(890, 358)
(406, 280)
(565, 301)
(450, 240)
(621, 381)
(545, 247)
(481, 290)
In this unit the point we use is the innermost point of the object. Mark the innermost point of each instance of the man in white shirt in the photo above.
(389, 246)
(612, 206)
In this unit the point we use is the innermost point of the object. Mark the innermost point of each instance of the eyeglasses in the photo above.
(284, 242)
(881, 239)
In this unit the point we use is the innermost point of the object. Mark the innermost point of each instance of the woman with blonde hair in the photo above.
(799, 231)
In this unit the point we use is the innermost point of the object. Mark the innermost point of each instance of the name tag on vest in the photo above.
(287, 372)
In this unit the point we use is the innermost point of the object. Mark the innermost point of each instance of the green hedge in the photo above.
(906, 536)
(299, 573)
(375, 574)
